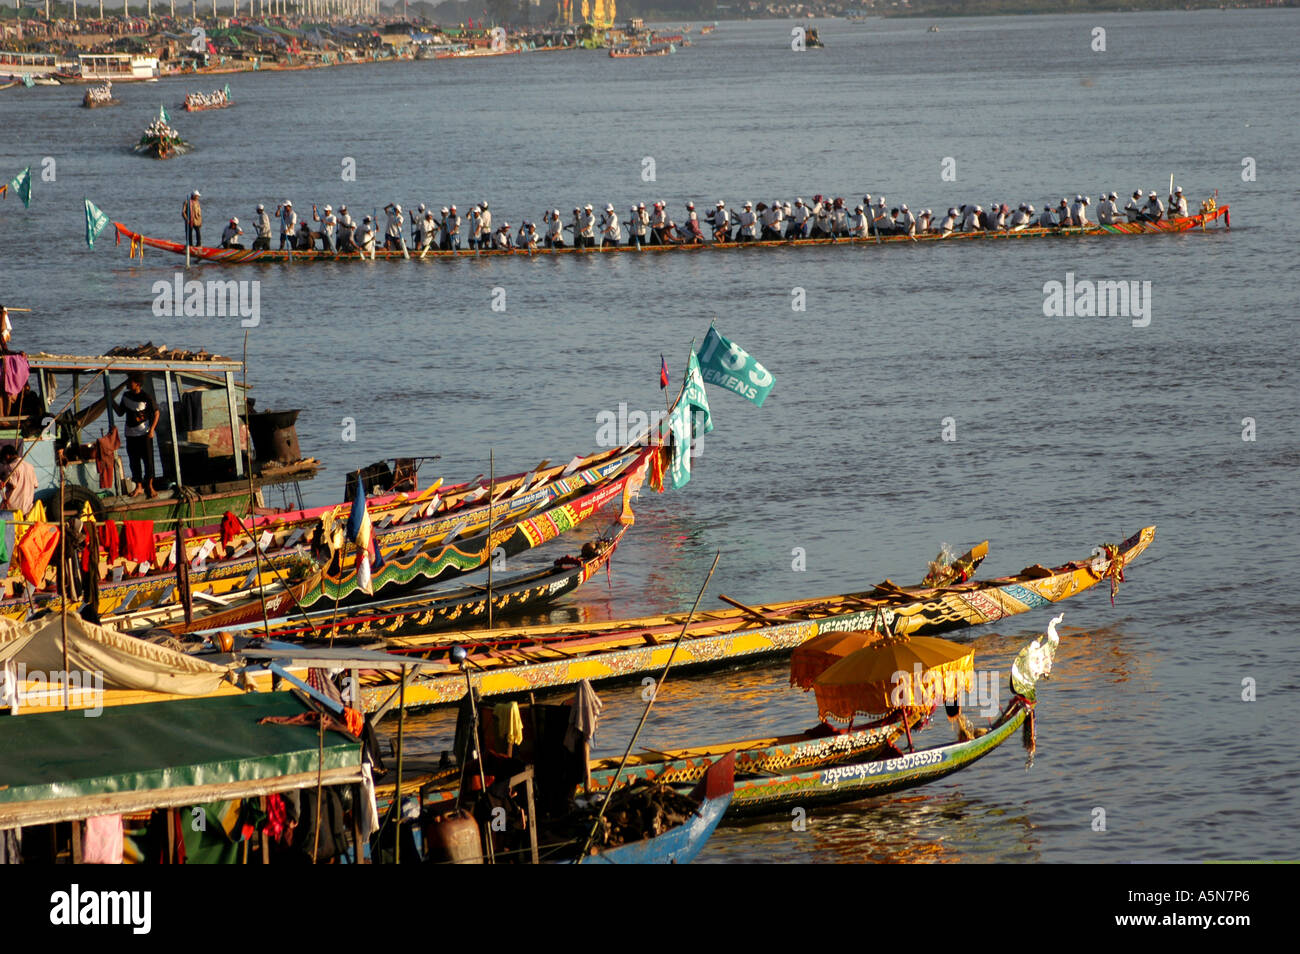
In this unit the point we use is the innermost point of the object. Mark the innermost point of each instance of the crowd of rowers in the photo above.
(823, 217)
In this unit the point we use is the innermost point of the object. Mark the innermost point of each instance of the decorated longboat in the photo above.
(508, 661)
(1201, 221)
(424, 612)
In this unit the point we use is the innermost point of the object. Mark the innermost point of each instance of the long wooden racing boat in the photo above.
(507, 661)
(432, 513)
(424, 562)
(425, 612)
(228, 256)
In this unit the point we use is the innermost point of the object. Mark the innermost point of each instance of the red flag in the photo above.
(663, 373)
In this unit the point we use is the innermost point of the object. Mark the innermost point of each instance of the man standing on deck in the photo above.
(658, 223)
(554, 229)
(858, 223)
(192, 213)
(141, 416)
(610, 231)
(393, 226)
(721, 222)
(588, 227)
(484, 224)
(347, 231)
(329, 227)
(452, 230)
(288, 223)
(262, 226)
(906, 222)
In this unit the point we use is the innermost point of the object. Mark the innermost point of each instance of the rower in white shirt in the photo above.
(554, 229)
(1178, 204)
(721, 222)
(230, 235)
(288, 223)
(1079, 212)
(484, 224)
(972, 221)
(748, 223)
(451, 229)
(1155, 209)
(949, 223)
(858, 223)
(262, 228)
(906, 222)
(1133, 208)
(588, 226)
(347, 227)
(611, 233)
(1019, 218)
(802, 219)
(1048, 219)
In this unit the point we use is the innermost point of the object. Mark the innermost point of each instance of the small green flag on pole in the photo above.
(96, 222)
(28, 81)
(162, 114)
(21, 185)
(227, 91)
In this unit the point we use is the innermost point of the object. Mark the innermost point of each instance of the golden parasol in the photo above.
(814, 657)
(898, 674)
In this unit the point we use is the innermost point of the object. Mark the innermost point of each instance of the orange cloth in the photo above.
(355, 720)
(36, 550)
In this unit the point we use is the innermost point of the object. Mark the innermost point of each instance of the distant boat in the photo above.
(933, 28)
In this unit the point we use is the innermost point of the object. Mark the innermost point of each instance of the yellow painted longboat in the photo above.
(507, 661)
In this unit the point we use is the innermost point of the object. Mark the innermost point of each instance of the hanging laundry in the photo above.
(36, 550)
(15, 373)
(110, 539)
(139, 540)
(20, 487)
(230, 528)
(509, 724)
(102, 843)
(105, 457)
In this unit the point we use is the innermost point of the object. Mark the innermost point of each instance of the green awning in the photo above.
(63, 765)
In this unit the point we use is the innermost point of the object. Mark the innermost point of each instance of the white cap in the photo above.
(286, 202)
(609, 207)
(330, 208)
(234, 221)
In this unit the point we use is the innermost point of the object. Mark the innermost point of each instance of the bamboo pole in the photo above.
(252, 502)
(491, 493)
(613, 784)
(397, 791)
(63, 583)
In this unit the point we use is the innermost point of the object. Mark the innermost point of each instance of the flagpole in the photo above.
(492, 477)
(252, 501)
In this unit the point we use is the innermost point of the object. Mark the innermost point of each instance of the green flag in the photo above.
(689, 420)
(28, 81)
(693, 394)
(162, 114)
(21, 185)
(227, 91)
(96, 222)
(730, 366)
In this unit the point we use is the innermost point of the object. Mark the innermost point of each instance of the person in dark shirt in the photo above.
(141, 414)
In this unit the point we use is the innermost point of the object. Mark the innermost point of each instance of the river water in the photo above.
(1069, 431)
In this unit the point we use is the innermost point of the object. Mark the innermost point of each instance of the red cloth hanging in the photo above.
(109, 539)
(230, 528)
(139, 541)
